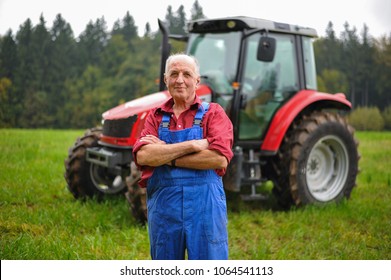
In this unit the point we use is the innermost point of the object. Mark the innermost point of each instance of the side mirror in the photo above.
(266, 49)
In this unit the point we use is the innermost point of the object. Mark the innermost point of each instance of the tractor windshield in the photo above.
(218, 56)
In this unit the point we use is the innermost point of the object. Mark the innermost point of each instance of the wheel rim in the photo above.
(327, 168)
(104, 181)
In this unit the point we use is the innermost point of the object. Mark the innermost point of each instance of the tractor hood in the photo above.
(146, 103)
(136, 106)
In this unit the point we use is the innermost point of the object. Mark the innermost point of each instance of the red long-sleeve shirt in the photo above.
(217, 129)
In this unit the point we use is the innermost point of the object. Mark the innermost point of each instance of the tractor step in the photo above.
(254, 197)
(249, 180)
(251, 162)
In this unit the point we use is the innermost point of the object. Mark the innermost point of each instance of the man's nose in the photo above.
(180, 78)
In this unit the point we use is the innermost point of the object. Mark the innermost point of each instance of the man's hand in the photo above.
(200, 145)
(151, 139)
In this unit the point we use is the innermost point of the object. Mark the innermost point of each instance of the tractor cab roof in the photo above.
(242, 23)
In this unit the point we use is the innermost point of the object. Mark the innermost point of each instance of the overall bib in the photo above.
(186, 207)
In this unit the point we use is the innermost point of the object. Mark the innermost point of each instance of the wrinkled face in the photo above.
(181, 80)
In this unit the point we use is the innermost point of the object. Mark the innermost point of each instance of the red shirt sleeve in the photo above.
(218, 130)
(150, 128)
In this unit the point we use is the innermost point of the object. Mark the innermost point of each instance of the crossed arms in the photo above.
(192, 154)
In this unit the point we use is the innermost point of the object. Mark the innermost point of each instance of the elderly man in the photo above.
(183, 152)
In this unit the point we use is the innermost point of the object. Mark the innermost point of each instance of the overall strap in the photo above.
(165, 120)
(204, 107)
(200, 113)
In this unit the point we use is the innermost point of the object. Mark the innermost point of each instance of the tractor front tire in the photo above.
(85, 179)
(318, 161)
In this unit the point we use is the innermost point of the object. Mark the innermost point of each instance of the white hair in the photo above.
(183, 57)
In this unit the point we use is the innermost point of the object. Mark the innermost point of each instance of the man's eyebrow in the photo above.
(187, 72)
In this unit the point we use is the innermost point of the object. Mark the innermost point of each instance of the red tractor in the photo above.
(285, 131)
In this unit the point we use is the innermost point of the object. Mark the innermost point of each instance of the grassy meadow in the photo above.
(39, 218)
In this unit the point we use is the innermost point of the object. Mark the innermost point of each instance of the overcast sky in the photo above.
(376, 14)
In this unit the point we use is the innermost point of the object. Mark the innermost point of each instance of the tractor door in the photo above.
(266, 85)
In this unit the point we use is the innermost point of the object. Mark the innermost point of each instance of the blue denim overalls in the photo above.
(186, 207)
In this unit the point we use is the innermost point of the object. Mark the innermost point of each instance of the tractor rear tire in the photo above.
(85, 179)
(317, 162)
(136, 196)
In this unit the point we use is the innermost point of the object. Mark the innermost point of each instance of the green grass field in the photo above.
(39, 218)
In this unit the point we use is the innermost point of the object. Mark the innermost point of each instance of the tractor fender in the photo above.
(284, 117)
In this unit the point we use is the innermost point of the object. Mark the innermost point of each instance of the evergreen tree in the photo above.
(147, 30)
(8, 56)
(41, 47)
(8, 66)
(196, 11)
(36, 108)
(92, 42)
(181, 20)
(25, 56)
(367, 59)
(351, 59)
(328, 51)
(23, 83)
(63, 66)
(127, 29)
(169, 19)
(176, 22)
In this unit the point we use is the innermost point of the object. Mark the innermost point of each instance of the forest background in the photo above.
(51, 79)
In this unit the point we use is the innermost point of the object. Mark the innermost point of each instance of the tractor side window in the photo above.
(266, 85)
(309, 64)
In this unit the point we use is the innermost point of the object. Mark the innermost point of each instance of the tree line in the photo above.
(51, 79)
(356, 64)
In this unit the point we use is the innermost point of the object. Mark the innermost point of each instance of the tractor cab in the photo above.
(253, 67)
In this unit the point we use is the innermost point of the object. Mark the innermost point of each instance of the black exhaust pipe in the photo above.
(166, 48)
